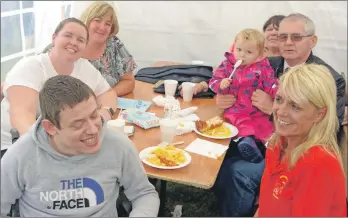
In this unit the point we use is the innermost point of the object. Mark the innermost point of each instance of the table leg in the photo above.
(163, 197)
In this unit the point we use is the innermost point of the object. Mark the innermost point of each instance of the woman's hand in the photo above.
(225, 101)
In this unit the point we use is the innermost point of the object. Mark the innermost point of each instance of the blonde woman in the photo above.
(304, 172)
(105, 50)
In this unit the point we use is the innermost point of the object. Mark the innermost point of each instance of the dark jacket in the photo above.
(181, 73)
(278, 65)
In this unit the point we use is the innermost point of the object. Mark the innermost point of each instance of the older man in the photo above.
(296, 39)
(238, 181)
(68, 164)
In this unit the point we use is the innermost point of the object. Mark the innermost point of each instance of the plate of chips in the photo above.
(224, 131)
(165, 157)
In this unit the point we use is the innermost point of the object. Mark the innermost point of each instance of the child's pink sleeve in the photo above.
(220, 73)
(269, 83)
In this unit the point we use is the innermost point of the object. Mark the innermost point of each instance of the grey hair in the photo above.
(309, 24)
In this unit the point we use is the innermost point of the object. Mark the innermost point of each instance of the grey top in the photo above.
(48, 183)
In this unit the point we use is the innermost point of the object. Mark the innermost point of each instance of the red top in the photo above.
(314, 187)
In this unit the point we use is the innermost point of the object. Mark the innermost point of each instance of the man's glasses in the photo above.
(295, 37)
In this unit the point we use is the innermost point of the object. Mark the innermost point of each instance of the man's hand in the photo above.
(199, 87)
(225, 101)
(345, 119)
(262, 101)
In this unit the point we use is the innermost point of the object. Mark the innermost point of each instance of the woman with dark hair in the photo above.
(270, 30)
(19, 108)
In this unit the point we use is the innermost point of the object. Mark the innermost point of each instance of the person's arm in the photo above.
(138, 189)
(256, 213)
(2, 93)
(106, 100)
(11, 185)
(219, 74)
(315, 190)
(23, 102)
(106, 97)
(345, 119)
(22, 86)
(125, 85)
(269, 83)
(340, 92)
(125, 59)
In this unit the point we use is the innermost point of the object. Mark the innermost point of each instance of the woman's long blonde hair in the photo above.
(99, 9)
(315, 84)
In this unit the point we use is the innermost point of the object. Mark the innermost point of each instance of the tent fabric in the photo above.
(183, 31)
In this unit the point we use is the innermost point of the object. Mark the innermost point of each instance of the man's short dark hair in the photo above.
(61, 92)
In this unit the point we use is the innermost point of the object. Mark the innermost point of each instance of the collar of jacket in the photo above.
(280, 67)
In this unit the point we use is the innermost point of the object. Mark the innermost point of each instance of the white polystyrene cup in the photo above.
(187, 91)
(168, 130)
(170, 87)
(117, 124)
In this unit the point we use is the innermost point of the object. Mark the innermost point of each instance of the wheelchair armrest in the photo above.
(14, 134)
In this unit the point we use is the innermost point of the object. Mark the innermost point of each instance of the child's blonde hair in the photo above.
(252, 35)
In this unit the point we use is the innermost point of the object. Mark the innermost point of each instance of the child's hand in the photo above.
(225, 83)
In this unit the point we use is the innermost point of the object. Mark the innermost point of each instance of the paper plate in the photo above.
(233, 129)
(144, 154)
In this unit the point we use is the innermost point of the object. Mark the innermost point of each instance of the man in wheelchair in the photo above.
(68, 164)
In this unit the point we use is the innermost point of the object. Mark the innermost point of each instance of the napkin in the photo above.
(185, 127)
(206, 148)
(184, 112)
(186, 124)
(160, 101)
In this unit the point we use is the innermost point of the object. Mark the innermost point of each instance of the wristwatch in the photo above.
(102, 119)
(110, 110)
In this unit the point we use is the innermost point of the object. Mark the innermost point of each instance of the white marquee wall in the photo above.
(192, 30)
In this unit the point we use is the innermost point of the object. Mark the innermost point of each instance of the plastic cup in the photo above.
(168, 130)
(170, 87)
(187, 89)
(117, 124)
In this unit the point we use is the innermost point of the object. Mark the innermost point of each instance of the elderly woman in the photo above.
(20, 107)
(105, 50)
(304, 173)
(270, 30)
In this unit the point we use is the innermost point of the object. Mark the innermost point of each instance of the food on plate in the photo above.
(220, 131)
(167, 156)
(213, 127)
(212, 123)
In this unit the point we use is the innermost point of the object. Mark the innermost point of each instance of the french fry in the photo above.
(167, 156)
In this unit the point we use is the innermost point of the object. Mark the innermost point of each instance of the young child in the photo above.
(255, 72)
